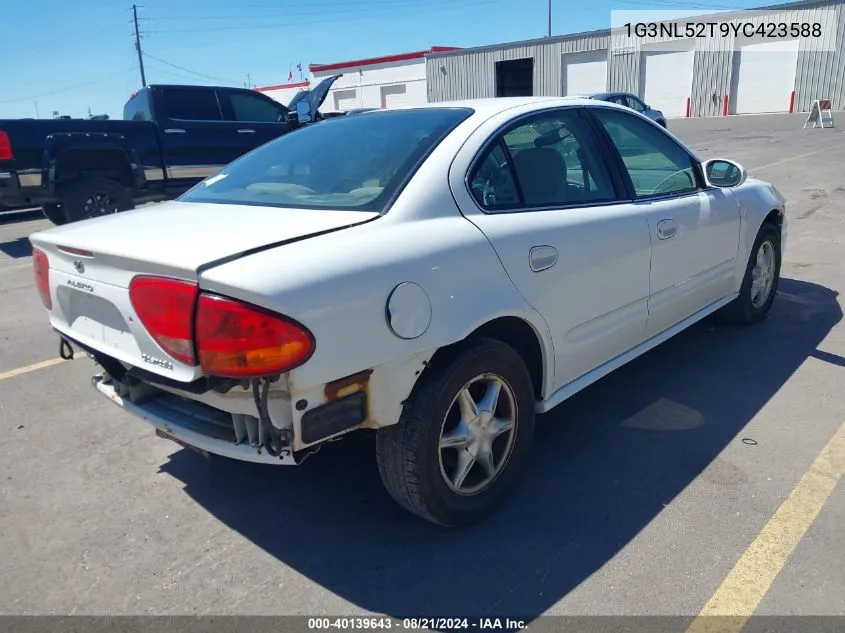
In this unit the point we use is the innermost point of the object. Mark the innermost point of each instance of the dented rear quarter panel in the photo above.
(337, 285)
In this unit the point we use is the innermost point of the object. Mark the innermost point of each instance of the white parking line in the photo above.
(36, 366)
(799, 157)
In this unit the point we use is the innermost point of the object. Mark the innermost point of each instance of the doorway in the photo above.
(515, 78)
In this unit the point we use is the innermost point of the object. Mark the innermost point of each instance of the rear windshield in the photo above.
(351, 163)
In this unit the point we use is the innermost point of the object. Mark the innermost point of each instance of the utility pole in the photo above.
(37, 113)
(138, 45)
(550, 18)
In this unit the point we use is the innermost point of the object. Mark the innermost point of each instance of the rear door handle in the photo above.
(666, 229)
(174, 130)
(246, 131)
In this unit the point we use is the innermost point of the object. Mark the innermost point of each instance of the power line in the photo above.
(344, 7)
(179, 75)
(69, 88)
(319, 8)
(416, 9)
(192, 72)
(679, 4)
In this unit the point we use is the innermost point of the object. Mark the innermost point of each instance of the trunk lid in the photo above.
(92, 263)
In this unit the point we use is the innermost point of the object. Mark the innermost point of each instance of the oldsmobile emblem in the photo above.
(80, 267)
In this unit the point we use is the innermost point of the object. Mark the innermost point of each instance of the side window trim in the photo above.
(498, 138)
(511, 168)
(619, 164)
(609, 157)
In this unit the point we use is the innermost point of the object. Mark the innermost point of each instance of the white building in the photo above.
(377, 82)
(746, 72)
(283, 93)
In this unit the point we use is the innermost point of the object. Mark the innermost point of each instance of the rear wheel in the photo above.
(760, 283)
(95, 197)
(463, 436)
(54, 213)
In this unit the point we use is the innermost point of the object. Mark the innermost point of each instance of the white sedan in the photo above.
(440, 274)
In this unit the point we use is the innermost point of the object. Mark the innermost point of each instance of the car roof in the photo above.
(491, 106)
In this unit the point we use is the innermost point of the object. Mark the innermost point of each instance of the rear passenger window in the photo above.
(192, 105)
(138, 107)
(550, 160)
(493, 184)
(556, 161)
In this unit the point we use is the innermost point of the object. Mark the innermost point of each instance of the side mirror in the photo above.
(303, 111)
(719, 172)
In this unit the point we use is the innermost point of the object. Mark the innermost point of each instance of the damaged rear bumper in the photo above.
(200, 427)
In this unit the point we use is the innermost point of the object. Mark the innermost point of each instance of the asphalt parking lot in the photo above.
(650, 493)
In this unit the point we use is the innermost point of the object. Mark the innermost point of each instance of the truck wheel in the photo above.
(463, 436)
(54, 213)
(95, 197)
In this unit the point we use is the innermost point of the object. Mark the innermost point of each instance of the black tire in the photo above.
(95, 197)
(409, 453)
(743, 310)
(54, 213)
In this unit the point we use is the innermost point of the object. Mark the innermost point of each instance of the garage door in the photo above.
(585, 72)
(666, 79)
(763, 76)
(345, 100)
(394, 96)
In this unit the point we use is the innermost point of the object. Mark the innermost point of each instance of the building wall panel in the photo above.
(820, 71)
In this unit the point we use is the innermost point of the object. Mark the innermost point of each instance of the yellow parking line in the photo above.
(35, 367)
(748, 582)
(16, 267)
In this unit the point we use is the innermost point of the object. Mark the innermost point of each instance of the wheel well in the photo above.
(775, 218)
(519, 335)
(74, 164)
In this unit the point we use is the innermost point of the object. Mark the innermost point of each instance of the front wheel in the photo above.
(463, 436)
(760, 282)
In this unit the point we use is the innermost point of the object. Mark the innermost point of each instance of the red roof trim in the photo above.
(301, 84)
(387, 59)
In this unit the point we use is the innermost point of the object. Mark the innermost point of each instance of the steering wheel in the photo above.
(658, 188)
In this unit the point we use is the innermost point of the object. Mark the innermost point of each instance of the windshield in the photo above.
(351, 163)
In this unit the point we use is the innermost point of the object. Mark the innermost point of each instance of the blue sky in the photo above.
(71, 55)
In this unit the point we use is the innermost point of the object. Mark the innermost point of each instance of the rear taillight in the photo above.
(236, 340)
(166, 309)
(5, 147)
(41, 267)
(233, 339)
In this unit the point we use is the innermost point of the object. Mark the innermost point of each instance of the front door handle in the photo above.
(246, 131)
(542, 258)
(667, 229)
(174, 130)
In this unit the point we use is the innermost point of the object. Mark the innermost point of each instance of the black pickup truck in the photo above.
(171, 138)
